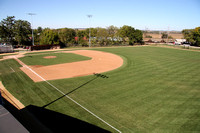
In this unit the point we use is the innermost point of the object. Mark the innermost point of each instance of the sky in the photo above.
(140, 14)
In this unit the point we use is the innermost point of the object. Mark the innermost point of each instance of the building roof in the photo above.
(8, 123)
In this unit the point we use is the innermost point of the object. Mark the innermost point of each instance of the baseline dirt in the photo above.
(49, 57)
(100, 62)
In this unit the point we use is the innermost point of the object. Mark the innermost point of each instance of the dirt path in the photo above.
(100, 62)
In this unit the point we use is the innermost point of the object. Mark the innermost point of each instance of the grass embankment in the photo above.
(157, 90)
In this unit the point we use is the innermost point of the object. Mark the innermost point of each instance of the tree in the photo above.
(49, 36)
(15, 31)
(21, 30)
(93, 32)
(148, 36)
(7, 33)
(37, 32)
(164, 35)
(125, 32)
(192, 36)
(196, 36)
(138, 36)
(81, 34)
(188, 35)
(128, 33)
(112, 33)
(82, 37)
(67, 36)
(102, 36)
(39, 29)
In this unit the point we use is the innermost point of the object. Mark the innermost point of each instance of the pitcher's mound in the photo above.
(49, 57)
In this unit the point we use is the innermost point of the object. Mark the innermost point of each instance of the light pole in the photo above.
(31, 14)
(89, 16)
(167, 35)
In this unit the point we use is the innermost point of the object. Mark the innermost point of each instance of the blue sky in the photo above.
(141, 14)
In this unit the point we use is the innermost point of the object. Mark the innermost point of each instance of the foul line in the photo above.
(12, 69)
(24, 65)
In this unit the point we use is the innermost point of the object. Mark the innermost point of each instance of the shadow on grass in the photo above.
(97, 75)
(27, 119)
(41, 120)
(58, 122)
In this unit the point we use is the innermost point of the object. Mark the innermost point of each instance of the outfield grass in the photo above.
(60, 58)
(156, 90)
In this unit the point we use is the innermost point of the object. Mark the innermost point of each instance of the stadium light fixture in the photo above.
(89, 16)
(31, 14)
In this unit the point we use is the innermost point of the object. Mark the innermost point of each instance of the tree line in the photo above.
(15, 31)
(19, 32)
(192, 36)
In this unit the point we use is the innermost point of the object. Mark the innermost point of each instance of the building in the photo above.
(6, 48)
(8, 123)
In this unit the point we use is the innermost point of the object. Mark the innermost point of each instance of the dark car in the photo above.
(186, 43)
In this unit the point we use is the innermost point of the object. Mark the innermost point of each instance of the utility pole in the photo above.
(167, 34)
(89, 16)
(31, 14)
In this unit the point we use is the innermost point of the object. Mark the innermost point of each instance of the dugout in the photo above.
(44, 47)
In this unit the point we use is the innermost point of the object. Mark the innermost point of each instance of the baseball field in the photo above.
(153, 89)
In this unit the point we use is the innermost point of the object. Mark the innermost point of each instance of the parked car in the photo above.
(186, 43)
(179, 41)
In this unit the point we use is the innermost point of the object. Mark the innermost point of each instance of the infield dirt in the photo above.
(100, 62)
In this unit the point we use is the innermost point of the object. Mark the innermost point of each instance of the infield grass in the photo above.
(156, 90)
(60, 58)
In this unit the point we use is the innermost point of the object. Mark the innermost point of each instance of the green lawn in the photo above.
(60, 58)
(156, 90)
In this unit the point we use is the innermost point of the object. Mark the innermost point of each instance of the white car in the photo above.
(179, 41)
